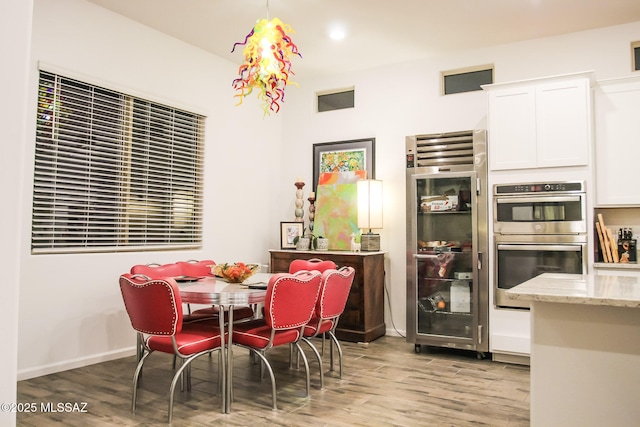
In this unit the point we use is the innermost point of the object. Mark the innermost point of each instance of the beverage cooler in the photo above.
(447, 241)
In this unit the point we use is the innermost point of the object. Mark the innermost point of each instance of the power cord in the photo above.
(386, 292)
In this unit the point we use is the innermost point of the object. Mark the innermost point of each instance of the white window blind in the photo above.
(114, 172)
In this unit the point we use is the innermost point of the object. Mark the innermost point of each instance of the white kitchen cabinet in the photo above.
(617, 129)
(512, 128)
(540, 123)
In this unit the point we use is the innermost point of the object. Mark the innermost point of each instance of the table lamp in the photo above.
(369, 212)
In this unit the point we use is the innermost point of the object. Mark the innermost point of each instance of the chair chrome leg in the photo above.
(318, 358)
(292, 355)
(185, 365)
(266, 363)
(188, 373)
(136, 375)
(331, 343)
(335, 340)
(306, 368)
(139, 346)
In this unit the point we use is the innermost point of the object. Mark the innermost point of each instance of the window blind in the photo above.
(114, 172)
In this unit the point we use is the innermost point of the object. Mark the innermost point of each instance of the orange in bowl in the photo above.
(235, 273)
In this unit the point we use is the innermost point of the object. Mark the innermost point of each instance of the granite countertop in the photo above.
(606, 290)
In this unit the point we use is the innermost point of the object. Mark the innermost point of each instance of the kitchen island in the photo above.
(585, 348)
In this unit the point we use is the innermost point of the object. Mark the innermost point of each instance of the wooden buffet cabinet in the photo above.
(363, 317)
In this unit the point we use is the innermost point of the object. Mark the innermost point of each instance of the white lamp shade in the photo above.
(369, 203)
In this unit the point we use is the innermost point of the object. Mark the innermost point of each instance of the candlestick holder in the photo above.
(312, 212)
(299, 212)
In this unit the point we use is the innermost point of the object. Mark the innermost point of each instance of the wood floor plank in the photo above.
(385, 383)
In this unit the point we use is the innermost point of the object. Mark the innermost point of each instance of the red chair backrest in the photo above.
(157, 271)
(182, 268)
(291, 299)
(334, 292)
(196, 268)
(311, 265)
(154, 306)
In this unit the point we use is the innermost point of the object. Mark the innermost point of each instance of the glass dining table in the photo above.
(225, 295)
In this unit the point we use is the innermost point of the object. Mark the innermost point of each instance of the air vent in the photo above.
(444, 149)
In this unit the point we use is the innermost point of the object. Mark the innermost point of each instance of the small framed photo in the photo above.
(288, 232)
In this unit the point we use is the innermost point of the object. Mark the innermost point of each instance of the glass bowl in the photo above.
(235, 273)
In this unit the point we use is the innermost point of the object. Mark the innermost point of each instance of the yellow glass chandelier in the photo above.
(267, 65)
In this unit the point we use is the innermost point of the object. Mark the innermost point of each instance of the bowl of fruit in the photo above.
(235, 273)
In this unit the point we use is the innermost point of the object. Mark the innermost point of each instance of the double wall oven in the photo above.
(538, 228)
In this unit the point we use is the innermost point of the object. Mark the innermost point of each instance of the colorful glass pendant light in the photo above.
(267, 64)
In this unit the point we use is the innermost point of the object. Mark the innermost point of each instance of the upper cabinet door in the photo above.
(540, 123)
(563, 123)
(617, 108)
(512, 128)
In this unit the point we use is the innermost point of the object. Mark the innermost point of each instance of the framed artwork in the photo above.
(343, 156)
(288, 232)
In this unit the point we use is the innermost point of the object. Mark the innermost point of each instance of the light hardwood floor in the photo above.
(385, 383)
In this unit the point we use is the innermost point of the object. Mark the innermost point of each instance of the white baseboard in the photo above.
(394, 333)
(515, 359)
(39, 371)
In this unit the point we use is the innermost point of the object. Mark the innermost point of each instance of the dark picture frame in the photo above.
(324, 150)
(289, 230)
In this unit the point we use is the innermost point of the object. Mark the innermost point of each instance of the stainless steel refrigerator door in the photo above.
(447, 292)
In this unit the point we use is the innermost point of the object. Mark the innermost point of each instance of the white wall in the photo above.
(15, 33)
(396, 101)
(71, 311)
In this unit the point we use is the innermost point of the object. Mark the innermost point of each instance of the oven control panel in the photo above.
(540, 187)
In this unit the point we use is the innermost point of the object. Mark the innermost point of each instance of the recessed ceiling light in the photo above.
(337, 33)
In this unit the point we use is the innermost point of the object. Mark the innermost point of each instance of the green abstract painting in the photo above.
(337, 208)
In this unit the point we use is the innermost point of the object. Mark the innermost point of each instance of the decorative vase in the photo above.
(323, 244)
(303, 244)
(299, 212)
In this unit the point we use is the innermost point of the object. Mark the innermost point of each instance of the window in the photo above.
(635, 56)
(466, 79)
(336, 100)
(113, 172)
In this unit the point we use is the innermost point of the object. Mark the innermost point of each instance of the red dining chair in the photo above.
(289, 305)
(159, 271)
(334, 292)
(195, 268)
(310, 265)
(155, 311)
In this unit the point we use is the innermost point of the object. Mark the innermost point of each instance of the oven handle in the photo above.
(424, 256)
(546, 199)
(563, 248)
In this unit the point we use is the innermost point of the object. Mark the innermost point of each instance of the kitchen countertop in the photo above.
(589, 289)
